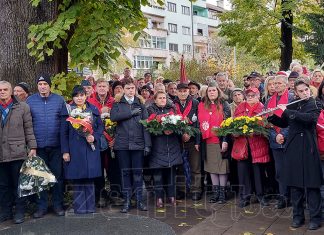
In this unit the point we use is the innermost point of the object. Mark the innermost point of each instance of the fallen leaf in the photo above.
(160, 210)
(183, 225)
(197, 204)
(269, 234)
(184, 211)
(292, 229)
(199, 218)
(248, 212)
(247, 233)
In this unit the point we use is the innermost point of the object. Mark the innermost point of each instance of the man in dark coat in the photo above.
(188, 107)
(302, 162)
(132, 141)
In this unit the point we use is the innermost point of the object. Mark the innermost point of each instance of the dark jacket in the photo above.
(46, 113)
(302, 167)
(273, 133)
(17, 134)
(166, 150)
(193, 116)
(130, 133)
(85, 163)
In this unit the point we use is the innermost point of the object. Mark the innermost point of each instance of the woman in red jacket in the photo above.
(258, 153)
(211, 112)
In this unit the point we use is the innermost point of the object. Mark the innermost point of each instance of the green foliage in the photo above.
(91, 29)
(62, 84)
(254, 25)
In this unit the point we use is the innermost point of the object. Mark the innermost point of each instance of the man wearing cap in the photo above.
(255, 81)
(87, 87)
(46, 108)
(21, 91)
(222, 82)
(16, 134)
(194, 88)
(188, 107)
(291, 80)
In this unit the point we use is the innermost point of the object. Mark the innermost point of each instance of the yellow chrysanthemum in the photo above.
(76, 125)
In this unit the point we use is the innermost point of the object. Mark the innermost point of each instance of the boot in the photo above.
(215, 196)
(222, 196)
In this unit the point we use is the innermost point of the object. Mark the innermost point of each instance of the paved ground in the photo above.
(187, 218)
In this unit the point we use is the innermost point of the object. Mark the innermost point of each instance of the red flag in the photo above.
(183, 77)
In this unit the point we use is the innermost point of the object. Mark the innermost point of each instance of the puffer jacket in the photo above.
(17, 134)
(46, 113)
(258, 144)
(130, 133)
(166, 150)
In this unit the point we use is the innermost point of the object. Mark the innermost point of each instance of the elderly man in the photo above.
(21, 91)
(46, 108)
(222, 82)
(172, 90)
(278, 136)
(87, 87)
(16, 133)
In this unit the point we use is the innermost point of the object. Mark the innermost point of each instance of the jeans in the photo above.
(53, 159)
(9, 175)
(131, 166)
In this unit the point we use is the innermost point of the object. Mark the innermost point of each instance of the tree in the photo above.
(89, 30)
(314, 38)
(265, 29)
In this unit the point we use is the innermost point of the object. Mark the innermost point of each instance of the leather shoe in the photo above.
(314, 226)
(196, 196)
(5, 216)
(297, 224)
(59, 211)
(39, 214)
(19, 218)
(141, 206)
(243, 203)
(126, 207)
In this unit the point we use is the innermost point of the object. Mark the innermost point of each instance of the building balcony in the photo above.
(154, 9)
(200, 39)
(153, 52)
(206, 21)
(157, 32)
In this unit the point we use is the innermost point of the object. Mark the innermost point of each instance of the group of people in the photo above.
(287, 163)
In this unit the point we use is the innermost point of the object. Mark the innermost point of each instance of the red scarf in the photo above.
(244, 109)
(186, 111)
(209, 119)
(282, 100)
(250, 110)
(5, 105)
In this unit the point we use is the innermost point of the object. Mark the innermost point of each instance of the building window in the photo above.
(212, 14)
(145, 42)
(186, 48)
(173, 47)
(143, 62)
(200, 32)
(159, 43)
(197, 49)
(172, 7)
(185, 10)
(172, 28)
(185, 30)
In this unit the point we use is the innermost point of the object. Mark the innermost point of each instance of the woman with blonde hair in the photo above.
(269, 88)
(211, 112)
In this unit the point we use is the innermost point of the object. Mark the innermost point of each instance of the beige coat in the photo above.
(17, 134)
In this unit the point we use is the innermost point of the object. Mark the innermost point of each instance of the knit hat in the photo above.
(195, 84)
(24, 86)
(116, 83)
(78, 89)
(85, 83)
(293, 75)
(44, 78)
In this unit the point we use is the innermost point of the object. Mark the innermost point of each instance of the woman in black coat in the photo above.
(132, 142)
(302, 162)
(166, 153)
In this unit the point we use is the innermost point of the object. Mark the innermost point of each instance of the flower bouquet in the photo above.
(110, 129)
(243, 126)
(34, 177)
(157, 124)
(81, 121)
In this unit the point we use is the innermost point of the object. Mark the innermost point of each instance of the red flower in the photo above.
(151, 117)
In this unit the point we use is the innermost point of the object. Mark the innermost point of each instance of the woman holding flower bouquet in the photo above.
(166, 153)
(81, 152)
(253, 151)
(211, 113)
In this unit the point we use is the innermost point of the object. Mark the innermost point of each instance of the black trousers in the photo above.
(100, 181)
(250, 178)
(9, 175)
(164, 179)
(313, 197)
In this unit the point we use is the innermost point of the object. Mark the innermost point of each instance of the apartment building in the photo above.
(178, 27)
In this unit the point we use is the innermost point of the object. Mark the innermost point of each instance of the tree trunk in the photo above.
(286, 37)
(15, 63)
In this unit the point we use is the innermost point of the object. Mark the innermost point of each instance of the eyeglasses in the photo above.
(250, 96)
